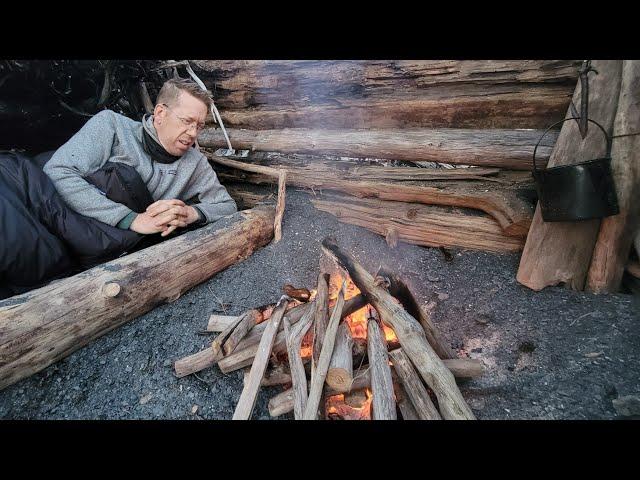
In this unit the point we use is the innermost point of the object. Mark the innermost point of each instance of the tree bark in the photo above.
(245, 405)
(411, 337)
(44, 326)
(424, 225)
(557, 252)
(616, 232)
(511, 149)
(340, 374)
(511, 212)
(383, 402)
(413, 386)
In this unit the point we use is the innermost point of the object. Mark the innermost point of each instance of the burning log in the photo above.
(558, 252)
(460, 368)
(511, 149)
(294, 338)
(399, 289)
(44, 326)
(411, 337)
(384, 402)
(413, 386)
(616, 232)
(319, 374)
(250, 391)
(228, 340)
(321, 317)
(340, 374)
(246, 350)
(300, 294)
(419, 224)
(511, 212)
(282, 192)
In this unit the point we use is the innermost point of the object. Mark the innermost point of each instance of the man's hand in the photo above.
(164, 216)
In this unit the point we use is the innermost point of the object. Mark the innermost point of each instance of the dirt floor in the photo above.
(555, 354)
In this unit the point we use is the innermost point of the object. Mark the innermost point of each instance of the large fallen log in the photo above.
(512, 213)
(268, 94)
(616, 232)
(409, 333)
(425, 225)
(47, 324)
(557, 252)
(511, 149)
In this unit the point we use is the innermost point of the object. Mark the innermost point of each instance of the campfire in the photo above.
(356, 347)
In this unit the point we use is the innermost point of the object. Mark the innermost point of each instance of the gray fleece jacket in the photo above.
(111, 137)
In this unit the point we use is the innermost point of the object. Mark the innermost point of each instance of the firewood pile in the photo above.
(358, 346)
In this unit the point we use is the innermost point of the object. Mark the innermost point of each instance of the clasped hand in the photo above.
(164, 216)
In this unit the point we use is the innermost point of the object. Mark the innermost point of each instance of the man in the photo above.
(184, 188)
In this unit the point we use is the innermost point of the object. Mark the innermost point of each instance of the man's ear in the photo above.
(159, 111)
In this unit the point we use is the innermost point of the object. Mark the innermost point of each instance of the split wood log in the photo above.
(194, 363)
(616, 232)
(412, 385)
(407, 410)
(512, 213)
(43, 326)
(340, 374)
(319, 374)
(282, 192)
(409, 333)
(271, 377)
(260, 94)
(424, 225)
(321, 316)
(294, 338)
(511, 149)
(245, 405)
(246, 350)
(399, 289)
(225, 343)
(383, 402)
(557, 252)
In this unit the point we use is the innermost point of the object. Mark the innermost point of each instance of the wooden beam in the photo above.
(616, 232)
(44, 325)
(511, 149)
(512, 213)
(560, 252)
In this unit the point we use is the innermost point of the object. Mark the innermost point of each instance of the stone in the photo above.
(145, 399)
(627, 406)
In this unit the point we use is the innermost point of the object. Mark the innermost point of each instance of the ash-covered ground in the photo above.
(555, 354)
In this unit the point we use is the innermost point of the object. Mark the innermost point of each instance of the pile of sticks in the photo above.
(303, 341)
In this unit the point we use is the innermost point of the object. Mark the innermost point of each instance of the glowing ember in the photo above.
(340, 408)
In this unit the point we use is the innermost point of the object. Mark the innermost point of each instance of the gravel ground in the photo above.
(555, 354)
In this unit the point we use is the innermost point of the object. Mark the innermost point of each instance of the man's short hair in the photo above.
(171, 89)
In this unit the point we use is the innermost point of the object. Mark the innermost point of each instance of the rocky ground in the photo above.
(555, 354)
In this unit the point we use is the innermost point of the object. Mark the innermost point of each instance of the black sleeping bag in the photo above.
(41, 238)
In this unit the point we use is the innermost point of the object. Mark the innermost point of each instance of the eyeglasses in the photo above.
(187, 123)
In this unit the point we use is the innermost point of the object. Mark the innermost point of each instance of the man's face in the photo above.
(177, 125)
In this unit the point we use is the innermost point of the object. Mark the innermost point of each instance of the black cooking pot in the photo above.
(576, 192)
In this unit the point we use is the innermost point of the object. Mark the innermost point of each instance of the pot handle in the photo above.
(562, 121)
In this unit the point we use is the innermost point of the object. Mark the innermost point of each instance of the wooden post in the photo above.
(410, 334)
(616, 232)
(250, 391)
(49, 323)
(557, 252)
